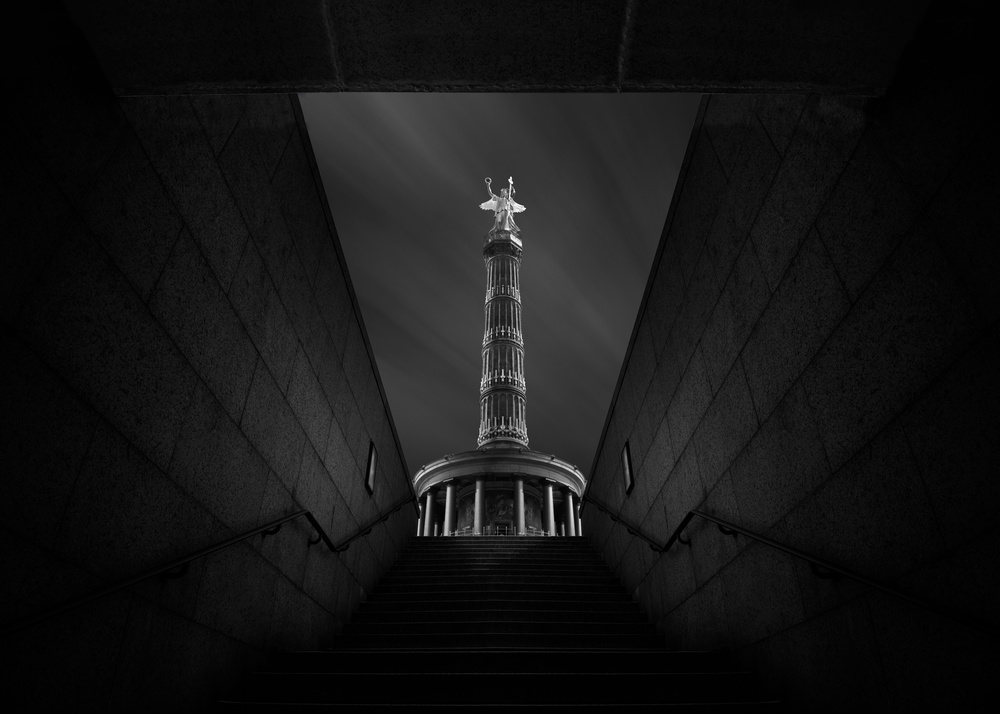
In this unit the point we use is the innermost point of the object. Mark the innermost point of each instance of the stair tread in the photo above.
(519, 621)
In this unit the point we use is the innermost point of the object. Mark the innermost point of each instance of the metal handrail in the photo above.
(179, 566)
(362, 532)
(820, 567)
(631, 530)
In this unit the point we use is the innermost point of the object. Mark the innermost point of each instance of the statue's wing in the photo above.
(490, 205)
(516, 207)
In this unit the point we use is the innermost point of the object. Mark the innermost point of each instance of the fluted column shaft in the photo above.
(519, 505)
(429, 513)
(570, 505)
(420, 518)
(480, 515)
(550, 509)
(449, 508)
(579, 520)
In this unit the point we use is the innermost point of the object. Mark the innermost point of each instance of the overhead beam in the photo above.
(180, 46)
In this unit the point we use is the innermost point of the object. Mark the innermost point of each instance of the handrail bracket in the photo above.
(727, 531)
(179, 572)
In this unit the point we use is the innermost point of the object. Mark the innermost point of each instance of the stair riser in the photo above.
(622, 606)
(510, 689)
(499, 622)
(518, 627)
(479, 595)
(501, 582)
(486, 641)
(443, 661)
(488, 562)
(498, 588)
(463, 616)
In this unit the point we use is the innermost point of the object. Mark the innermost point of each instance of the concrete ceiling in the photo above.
(181, 46)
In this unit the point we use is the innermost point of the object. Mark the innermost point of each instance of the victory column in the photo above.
(501, 488)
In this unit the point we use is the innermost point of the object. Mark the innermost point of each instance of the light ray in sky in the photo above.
(404, 177)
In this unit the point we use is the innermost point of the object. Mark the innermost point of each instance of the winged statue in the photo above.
(503, 206)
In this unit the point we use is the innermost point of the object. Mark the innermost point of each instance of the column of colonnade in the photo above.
(570, 523)
(429, 512)
(519, 528)
(548, 508)
(479, 519)
(449, 508)
(569, 509)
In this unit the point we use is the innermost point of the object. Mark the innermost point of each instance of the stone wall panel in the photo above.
(42, 232)
(782, 464)
(951, 430)
(828, 132)
(247, 178)
(132, 216)
(913, 321)
(756, 166)
(806, 307)
(272, 428)
(45, 433)
(861, 313)
(728, 425)
(690, 401)
(307, 400)
(219, 114)
(163, 361)
(191, 306)
(960, 224)
(215, 463)
(273, 121)
(256, 301)
(866, 217)
(736, 313)
(182, 156)
(96, 333)
(779, 115)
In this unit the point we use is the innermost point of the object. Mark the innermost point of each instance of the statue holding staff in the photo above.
(503, 206)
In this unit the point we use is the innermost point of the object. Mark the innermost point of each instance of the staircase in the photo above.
(491, 622)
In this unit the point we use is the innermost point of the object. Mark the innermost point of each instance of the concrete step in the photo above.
(241, 705)
(486, 566)
(622, 604)
(502, 558)
(497, 551)
(562, 583)
(347, 660)
(511, 593)
(499, 577)
(518, 626)
(505, 688)
(506, 541)
(499, 639)
(492, 623)
(407, 615)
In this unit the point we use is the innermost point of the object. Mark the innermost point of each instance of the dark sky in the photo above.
(404, 177)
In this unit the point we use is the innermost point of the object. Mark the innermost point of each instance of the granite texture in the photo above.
(170, 382)
(822, 318)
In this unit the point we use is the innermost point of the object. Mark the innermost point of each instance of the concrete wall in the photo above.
(816, 360)
(183, 360)
(175, 46)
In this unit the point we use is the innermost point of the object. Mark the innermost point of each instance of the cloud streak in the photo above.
(404, 177)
